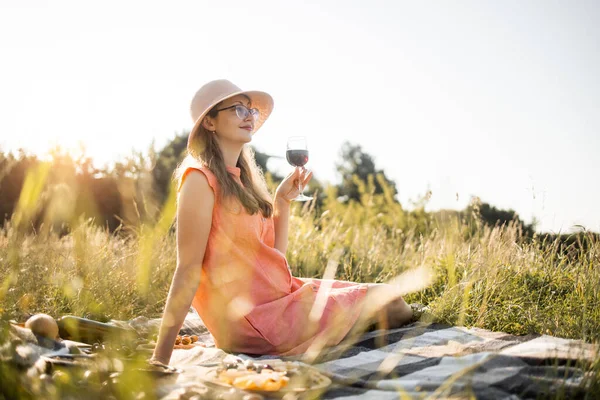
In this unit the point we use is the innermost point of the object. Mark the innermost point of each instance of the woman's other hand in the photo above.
(288, 188)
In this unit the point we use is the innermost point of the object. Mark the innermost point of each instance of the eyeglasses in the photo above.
(243, 111)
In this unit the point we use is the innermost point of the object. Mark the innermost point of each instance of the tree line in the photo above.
(58, 193)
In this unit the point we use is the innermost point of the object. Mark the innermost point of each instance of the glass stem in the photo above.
(300, 188)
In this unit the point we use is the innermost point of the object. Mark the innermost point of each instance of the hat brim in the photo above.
(259, 100)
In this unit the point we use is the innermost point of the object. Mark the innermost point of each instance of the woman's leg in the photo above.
(377, 314)
(393, 313)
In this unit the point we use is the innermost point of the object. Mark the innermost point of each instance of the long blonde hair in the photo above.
(205, 151)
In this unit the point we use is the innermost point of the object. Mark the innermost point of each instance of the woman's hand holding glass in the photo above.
(288, 190)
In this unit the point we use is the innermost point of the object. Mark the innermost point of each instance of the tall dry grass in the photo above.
(488, 277)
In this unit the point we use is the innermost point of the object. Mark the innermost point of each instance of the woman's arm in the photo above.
(194, 220)
(285, 193)
(281, 212)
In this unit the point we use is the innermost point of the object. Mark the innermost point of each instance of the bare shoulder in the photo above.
(196, 191)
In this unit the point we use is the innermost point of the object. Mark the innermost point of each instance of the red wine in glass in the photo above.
(297, 158)
(297, 155)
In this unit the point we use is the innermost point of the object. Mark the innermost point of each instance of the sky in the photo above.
(499, 100)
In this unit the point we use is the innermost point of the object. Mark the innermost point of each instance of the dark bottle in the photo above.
(89, 331)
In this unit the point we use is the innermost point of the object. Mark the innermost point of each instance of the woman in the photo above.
(232, 240)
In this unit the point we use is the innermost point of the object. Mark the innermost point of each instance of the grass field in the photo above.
(485, 277)
(488, 277)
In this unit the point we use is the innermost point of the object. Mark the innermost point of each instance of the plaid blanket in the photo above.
(432, 361)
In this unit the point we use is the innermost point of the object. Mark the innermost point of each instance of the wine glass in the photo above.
(297, 155)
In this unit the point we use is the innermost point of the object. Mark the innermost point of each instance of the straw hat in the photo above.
(216, 91)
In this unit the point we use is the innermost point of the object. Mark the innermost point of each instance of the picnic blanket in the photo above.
(430, 361)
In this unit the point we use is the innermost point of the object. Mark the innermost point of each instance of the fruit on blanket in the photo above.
(43, 325)
(249, 376)
(266, 380)
(187, 342)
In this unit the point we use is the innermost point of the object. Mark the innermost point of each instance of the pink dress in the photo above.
(247, 296)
